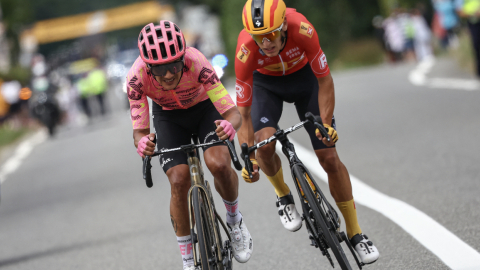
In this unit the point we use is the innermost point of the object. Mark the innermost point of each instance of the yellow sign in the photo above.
(98, 22)
(306, 29)
(243, 53)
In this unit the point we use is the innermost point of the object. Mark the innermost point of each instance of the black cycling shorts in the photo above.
(269, 93)
(176, 127)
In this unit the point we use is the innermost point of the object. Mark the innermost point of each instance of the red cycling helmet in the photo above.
(159, 44)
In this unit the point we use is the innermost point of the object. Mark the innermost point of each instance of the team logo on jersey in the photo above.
(260, 62)
(306, 29)
(239, 90)
(243, 53)
(323, 61)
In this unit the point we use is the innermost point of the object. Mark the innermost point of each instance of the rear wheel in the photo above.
(205, 233)
(320, 220)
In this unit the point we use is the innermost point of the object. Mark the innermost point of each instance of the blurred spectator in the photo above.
(422, 40)
(470, 9)
(394, 38)
(94, 83)
(406, 23)
(448, 20)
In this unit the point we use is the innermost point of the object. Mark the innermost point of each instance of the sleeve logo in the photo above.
(306, 29)
(204, 75)
(134, 92)
(323, 61)
(239, 90)
(243, 53)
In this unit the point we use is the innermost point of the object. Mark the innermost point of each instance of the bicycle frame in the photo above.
(198, 181)
(288, 150)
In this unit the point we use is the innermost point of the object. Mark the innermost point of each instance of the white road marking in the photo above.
(21, 153)
(455, 253)
(418, 77)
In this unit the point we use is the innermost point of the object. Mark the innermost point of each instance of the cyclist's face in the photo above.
(170, 80)
(272, 48)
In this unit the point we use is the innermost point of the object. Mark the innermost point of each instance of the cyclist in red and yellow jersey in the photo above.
(278, 58)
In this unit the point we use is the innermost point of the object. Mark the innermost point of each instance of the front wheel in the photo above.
(205, 233)
(326, 230)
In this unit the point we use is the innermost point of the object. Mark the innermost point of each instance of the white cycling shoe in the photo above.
(288, 213)
(367, 252)
(242, 241)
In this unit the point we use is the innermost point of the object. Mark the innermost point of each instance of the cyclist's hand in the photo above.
(255, 173)
(225, 130)
(331, 132)
(146, 146)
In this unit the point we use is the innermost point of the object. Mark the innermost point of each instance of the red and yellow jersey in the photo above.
(302, 46)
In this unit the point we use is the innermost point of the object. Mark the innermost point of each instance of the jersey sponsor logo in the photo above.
(239, 90)
(306, 29)
(260, 62)
(264, 120)
(203, 77)
(293, 52)
(243, 53)
(323, 61)
(137, 93)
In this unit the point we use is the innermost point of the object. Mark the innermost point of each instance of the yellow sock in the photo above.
(279, 184)
(349, 212)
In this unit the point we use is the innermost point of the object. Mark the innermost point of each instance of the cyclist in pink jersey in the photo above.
(187, 98)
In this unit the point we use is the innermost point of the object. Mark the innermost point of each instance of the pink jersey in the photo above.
(198, 83)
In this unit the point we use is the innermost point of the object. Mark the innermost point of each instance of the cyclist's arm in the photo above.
(233, 116)
(138, 134)
(326, 98)
(245, 133)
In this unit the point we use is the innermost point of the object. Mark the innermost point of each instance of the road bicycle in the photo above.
(321, 219)
(209, 252)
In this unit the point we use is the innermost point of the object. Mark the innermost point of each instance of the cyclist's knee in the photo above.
(266, 152)
(220, 170)
(329, 160)
(179, 178)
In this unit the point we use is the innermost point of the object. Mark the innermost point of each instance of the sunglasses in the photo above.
(161, 70)
(271, 36)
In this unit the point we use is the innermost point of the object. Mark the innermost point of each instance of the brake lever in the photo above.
(318, 123)
(233, 155)
(246, 159)
(147, 173)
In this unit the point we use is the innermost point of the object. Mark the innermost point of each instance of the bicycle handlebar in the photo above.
(147, 174)
(314, 119)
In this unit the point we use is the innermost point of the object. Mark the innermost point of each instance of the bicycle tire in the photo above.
(204, 230)
(220, 266)
(329, 233)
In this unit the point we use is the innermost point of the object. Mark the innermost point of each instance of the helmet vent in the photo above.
(150, 40)
(163, 51)
(154, 55)
(169, 36)
(172, 50)
(144, 50)
(177, 29)
(147, 29)
(167, 25)
(159, 33)
(180, 44)
(140, 37)
(258, 12)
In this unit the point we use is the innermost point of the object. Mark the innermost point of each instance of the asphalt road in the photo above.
(79, 201)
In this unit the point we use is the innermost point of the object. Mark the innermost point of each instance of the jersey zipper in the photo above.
(283, 66)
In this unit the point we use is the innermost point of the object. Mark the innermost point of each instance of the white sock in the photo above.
(233, 215)
(185, 244)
